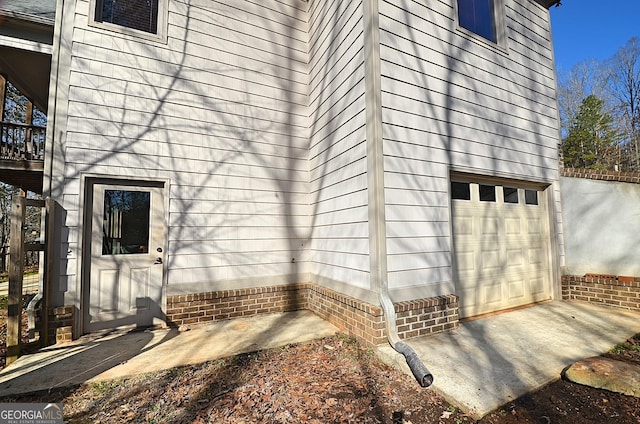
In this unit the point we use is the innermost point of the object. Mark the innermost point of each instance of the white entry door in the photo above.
(127, 242)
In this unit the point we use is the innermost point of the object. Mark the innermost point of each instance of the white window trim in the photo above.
(499, 18)
(161, 36)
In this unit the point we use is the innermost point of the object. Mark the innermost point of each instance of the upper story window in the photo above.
(138, 15)
(135, 14)
(478, 16)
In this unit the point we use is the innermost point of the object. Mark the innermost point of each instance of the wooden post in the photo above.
(49, 235)
(16, 271)
(3, 94)
(28, 145)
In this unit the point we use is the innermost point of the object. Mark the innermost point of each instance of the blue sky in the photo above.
(592, 29)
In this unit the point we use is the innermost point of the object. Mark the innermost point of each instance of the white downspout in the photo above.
(376, 197)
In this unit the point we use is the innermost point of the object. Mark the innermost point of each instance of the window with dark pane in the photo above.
(477, 16)
(510, 194)
(136, 14)
(125, 229)
(487, 193)
(460, 191)
(531, 197)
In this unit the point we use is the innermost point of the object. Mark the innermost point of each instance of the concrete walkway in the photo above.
(479, 367)
(489, 362)
(120, 353)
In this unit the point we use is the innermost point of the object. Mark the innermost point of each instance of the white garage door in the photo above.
(500, 236)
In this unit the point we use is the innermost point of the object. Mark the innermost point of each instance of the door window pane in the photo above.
(460, 191)
(531, 197)
(510, 195)
(125, 229)
(487, 193)
(477, 17)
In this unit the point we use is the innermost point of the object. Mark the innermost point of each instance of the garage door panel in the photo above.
(513, 226)
(536, 257)
(466, 261)
(501, 252)
(515, 256)
(538, 286)
(496, 274)
(489, 226)
(469, 296)
(491, 260)
(534, 226)
(463, 226)
(492, 294)
(517, 289)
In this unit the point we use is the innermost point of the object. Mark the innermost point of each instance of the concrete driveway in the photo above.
(488, 362)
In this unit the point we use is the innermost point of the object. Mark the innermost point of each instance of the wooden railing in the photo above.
(21, 142)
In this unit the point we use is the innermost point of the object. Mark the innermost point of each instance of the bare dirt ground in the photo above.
(332, 380)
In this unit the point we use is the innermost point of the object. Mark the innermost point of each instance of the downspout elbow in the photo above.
(417, 367)
(32, 309)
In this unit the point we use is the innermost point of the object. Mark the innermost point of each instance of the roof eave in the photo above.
(26, 17)
(547, 3)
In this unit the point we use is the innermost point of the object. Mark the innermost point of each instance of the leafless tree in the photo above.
(624, 84)
(583, 79)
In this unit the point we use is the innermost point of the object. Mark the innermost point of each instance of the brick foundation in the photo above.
(216, 306)
(427, 316)
(352, 316)
(61, 320)
(611, 290)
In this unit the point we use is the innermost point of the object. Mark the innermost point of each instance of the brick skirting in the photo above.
(221, 305)
(619, 291)
(352, 316)
(427, 316)
(61, 320)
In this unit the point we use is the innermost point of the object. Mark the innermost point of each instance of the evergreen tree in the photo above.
(591, 141)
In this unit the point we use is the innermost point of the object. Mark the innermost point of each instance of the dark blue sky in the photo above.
(592, 29)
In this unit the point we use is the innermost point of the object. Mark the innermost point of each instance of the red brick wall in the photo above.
(352, 316)
(602, 174)
(619, 291)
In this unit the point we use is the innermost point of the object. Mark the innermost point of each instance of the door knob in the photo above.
(157, 261)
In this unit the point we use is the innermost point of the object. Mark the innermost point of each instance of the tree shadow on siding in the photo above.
(470, 107)
(237, 173)
(230, 132)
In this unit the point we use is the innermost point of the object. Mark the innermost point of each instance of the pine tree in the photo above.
(591, 141)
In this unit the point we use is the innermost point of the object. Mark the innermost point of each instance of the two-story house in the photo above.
(218, 159)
